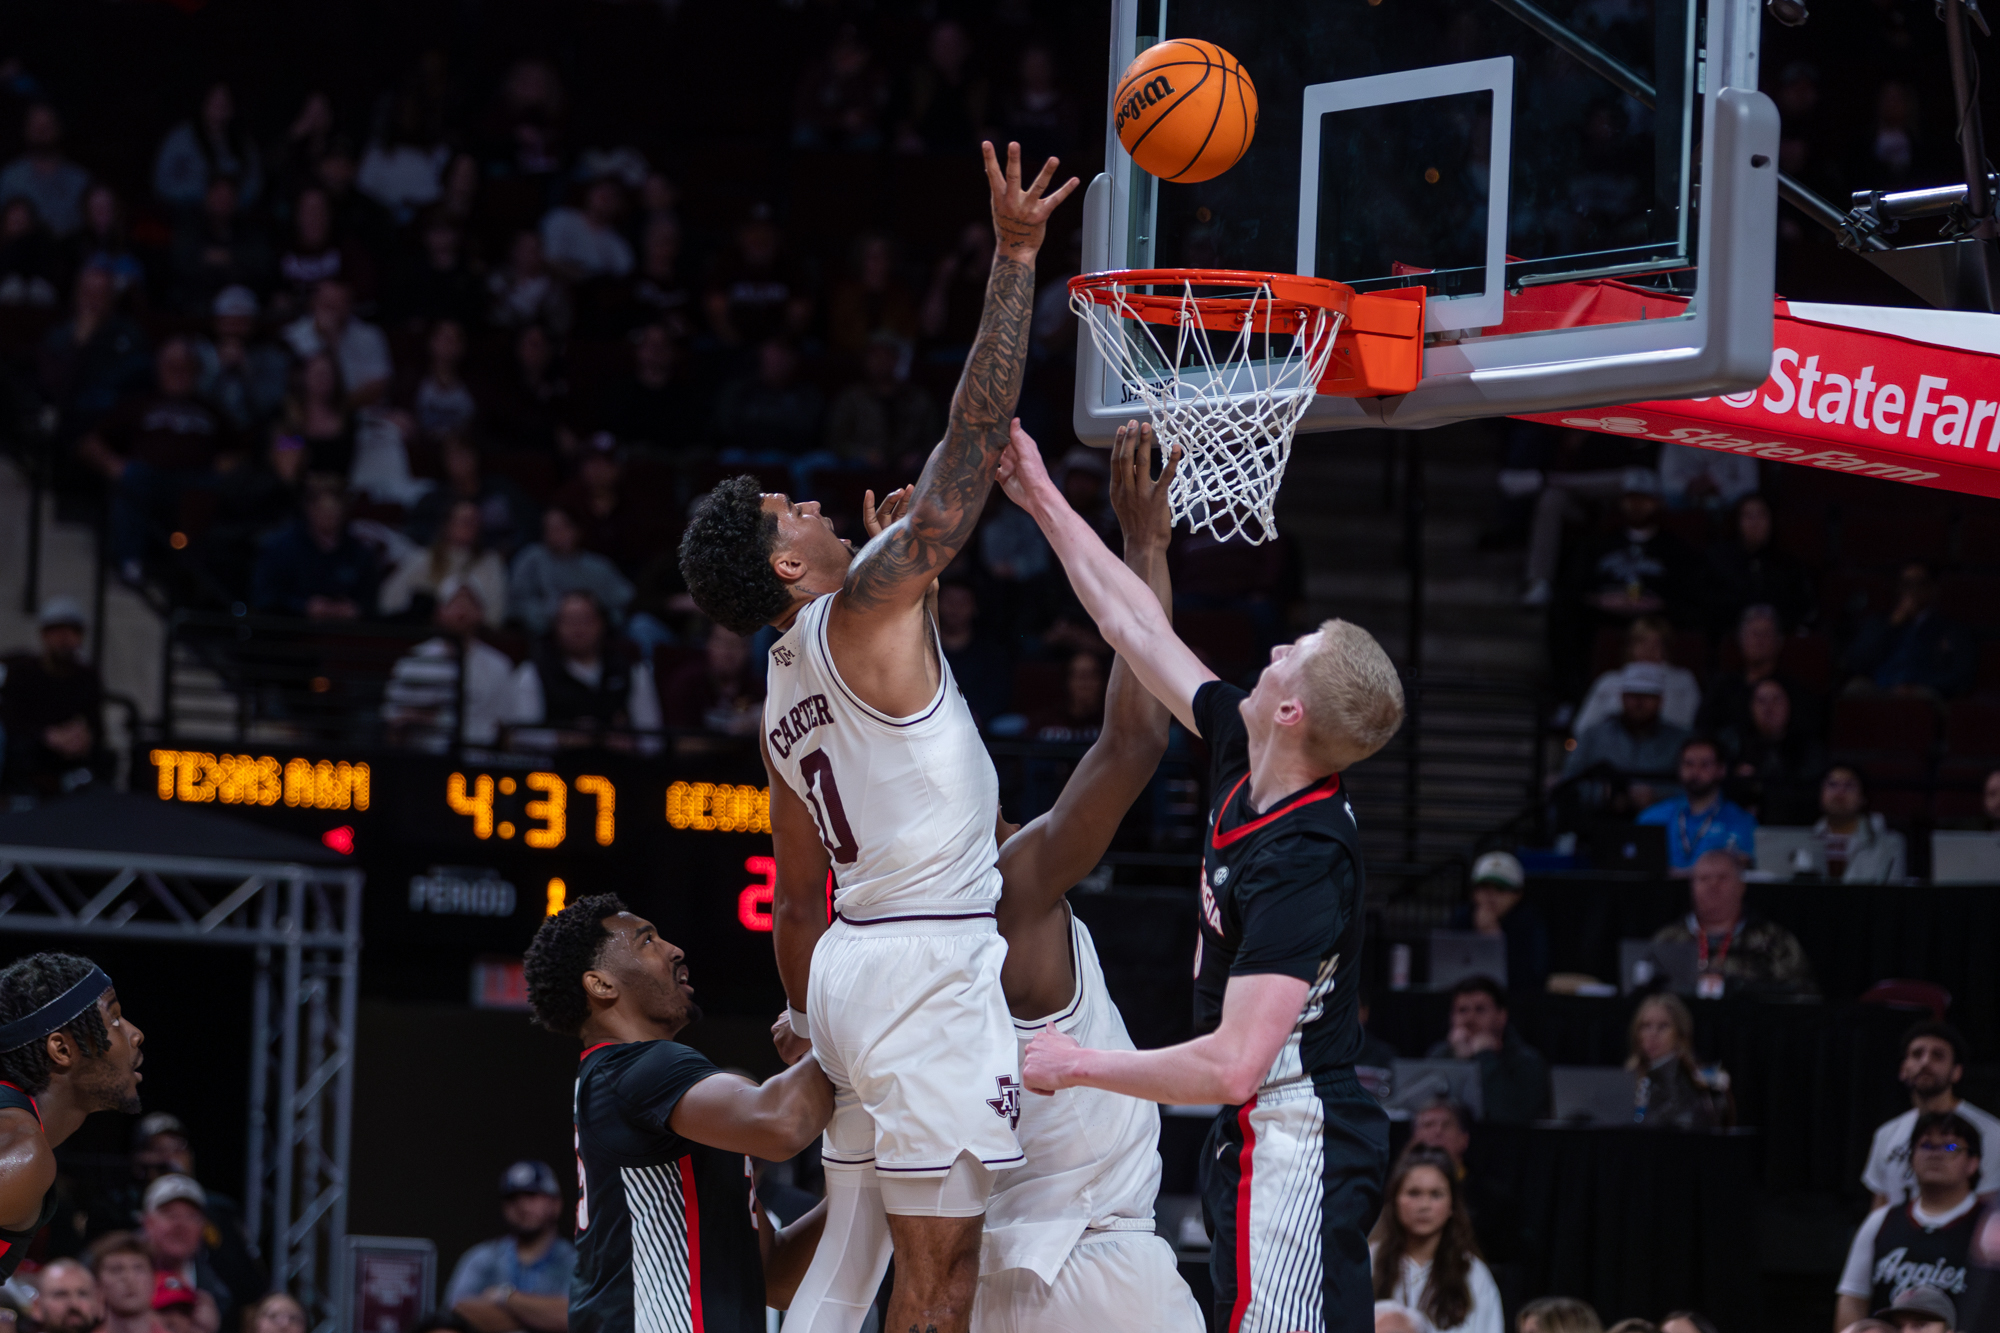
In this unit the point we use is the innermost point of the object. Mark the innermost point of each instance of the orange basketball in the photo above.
(1186, 110)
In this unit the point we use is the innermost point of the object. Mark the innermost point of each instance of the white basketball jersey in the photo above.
(1093, 1156)
(905, 805)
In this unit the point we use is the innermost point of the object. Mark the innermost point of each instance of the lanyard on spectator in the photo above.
(1701, 946)
(1681, 829)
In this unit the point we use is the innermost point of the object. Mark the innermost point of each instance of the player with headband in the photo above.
(66, 1049)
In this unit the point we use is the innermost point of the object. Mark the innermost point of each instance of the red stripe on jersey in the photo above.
(1220, 839)
(33, 1105)
(1242, 1306)
(691, 1211)
(588, 1049)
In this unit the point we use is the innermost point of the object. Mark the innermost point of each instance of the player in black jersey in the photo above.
(1296, 1158)
(668, 1233)
(66, 1050)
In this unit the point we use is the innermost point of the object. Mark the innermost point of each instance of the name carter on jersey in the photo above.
(801, 718)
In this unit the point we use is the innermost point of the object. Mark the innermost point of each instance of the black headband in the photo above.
(57, 1014)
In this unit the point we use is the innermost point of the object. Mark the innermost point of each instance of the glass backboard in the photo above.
(1495, 152)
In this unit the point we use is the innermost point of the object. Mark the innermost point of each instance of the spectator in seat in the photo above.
(585, 243)
(104, 240)
(1513, 1076)
(580, 681)
(1859, 845)
(1760, 638)
(660, 292)
(545, 570)
(753, 291)
(209, 143)
(1922, 1309)
(1645, 641)
(357, 219)
(1446, 1126)
(519, 1280)
(1700, 819)
(1933, 1062)
(1671, 1091)
(722, 692)
(1930, 1236)
(217, 247)
(151, 449)
(1558, 1314)
(657, 406)
(317, 255)
(1640, 570)
(1736, 948)
(318, 414)
(123, 1267)
(403, 166)
(1914, 650)
(1692, 478)
(242, 373)
(43, 176)
(871, 303)
(278, 1313)
(771, 415)
(357, 348)
(1078, 717)
(506, 518)
(529, 407)
(1748, 571)
(615, 523)
(160, 1147)
(314, 567)
(255, 495)
(87, 363)
(979, 661)
(457, 554)
(1423, 1254)
(442, 404)
(421, 701)
(1636, 741)
(1391, 1317)
(841, 98)
(525, 291)
(178, 1307)
(883, 417)
(175, 1221)
(440, 283)
(1775, 767)
(52, 709)
(30, 260)
(66, 1298)
(1497, 907)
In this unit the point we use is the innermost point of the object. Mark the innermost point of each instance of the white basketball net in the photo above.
(1233, 415)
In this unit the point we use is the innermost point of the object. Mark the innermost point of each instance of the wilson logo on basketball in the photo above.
(1154, 91)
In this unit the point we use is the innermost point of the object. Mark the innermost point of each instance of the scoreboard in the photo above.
(466, 858)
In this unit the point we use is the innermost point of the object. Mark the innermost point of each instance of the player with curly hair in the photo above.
(66, 1049)
(668, 1234)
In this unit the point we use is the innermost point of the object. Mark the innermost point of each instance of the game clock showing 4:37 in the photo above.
(465, 859)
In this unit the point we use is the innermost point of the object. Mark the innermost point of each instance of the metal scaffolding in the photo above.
(304, 925)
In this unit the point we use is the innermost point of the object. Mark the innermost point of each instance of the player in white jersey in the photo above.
(876, 763)
(1070, 1241)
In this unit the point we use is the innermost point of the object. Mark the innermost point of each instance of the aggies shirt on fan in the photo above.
(1281, 893)
(665, 1239)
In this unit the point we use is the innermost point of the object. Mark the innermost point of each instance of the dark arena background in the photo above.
(314, 314)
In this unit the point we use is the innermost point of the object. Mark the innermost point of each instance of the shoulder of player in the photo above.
(27, 1166)
(1293, 844)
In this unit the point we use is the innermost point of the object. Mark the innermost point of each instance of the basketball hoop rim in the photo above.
(1290, 297)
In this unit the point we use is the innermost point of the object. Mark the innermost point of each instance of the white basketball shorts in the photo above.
(1111, 1280)
(909, 1022)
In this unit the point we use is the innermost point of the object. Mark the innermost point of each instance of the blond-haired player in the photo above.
(1297, 1154)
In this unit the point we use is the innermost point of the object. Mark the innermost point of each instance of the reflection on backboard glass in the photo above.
(1403, 189)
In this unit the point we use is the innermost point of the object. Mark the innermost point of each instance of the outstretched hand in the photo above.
(1021, 471)
(1049, 1061)
(1137, 497)
(876, 517)
(1021, 215)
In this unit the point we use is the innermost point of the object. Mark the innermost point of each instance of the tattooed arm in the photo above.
(880, 603)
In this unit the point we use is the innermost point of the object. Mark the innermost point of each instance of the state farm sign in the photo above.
(1847, 400)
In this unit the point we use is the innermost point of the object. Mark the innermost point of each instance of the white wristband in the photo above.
(800, 1028)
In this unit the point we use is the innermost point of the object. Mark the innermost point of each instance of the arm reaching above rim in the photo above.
(1127, 614)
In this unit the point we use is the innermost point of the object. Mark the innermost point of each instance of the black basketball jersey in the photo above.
(14, 1244)
(665, 1238)
(1910, 1254)
(1281, 892)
